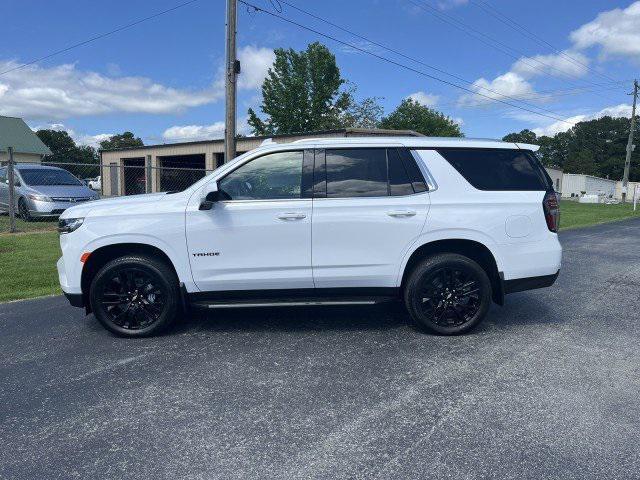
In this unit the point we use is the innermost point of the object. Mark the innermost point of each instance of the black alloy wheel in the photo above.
(135, 296)
(448, 294)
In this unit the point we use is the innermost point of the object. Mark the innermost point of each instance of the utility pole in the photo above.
(231, 72)
(627, 162)
(12, 191)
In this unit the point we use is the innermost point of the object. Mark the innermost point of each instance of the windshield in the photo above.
(46, 176)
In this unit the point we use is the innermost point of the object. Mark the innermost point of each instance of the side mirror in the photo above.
(214, 195)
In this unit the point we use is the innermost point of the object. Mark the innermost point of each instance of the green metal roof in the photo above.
(17, 134)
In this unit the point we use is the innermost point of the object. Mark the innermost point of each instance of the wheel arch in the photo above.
(106, 253)
(470, 248)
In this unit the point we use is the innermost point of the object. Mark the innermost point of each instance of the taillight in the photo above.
(551, 207)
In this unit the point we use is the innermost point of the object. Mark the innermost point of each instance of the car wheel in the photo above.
(448, 294)
(23, 210)
(135, 296)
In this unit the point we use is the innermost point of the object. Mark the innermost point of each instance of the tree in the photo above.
(525, 136)
(59, 142)
(595, 147)
(301, 93)
(581, 162)
(364, 114)
(121, 140)
(411, 115)
(65, 151)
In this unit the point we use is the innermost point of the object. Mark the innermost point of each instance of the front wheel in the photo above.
(448, 294)
(23, 210)
(135, 296)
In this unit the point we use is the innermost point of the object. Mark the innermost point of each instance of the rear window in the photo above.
(498, 169)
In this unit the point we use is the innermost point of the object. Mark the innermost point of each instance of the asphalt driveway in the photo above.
(549, 387)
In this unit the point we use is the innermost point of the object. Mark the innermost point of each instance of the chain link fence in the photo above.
(34, 194)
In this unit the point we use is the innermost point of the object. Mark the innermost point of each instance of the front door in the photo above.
(375, 206)
(260, 237)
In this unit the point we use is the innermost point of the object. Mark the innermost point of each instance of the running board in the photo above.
(274, 303)
(292, 298)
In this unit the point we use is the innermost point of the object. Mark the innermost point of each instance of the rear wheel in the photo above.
(135, 296)
(448, 294)
(23, 210)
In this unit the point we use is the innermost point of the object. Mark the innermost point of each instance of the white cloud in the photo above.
(448, 4)
(510, 84)
(187, 133)
(254, 63)
(181, 133)
(79, 138)
(63, 91)
(568, 64)
(423, 98)
(622, 110)
(617, 32)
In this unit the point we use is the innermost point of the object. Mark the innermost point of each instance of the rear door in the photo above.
(368, 208)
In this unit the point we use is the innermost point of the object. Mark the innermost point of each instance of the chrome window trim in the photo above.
(431, 182)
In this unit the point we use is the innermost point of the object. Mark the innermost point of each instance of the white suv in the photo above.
(446, 225)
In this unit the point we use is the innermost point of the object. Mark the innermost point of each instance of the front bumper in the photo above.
(75, 299)
(38, 208)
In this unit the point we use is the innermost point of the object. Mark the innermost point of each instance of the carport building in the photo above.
(175, 166)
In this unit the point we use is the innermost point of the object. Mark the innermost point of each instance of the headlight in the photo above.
(39, 198)
(68, 225)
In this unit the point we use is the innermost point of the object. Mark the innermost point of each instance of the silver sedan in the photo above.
(43, 191)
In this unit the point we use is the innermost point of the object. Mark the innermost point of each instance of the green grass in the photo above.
(28, 265)
(574, 214)
(22, 226)
(28, 260)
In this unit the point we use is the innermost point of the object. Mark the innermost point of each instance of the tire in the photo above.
(23, 210)
(447, 312)
(135, 296)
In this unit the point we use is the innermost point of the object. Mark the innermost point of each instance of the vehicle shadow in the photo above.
(521, 309)
(287, 319)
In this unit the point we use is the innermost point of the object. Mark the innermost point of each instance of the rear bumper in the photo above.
(529, 283)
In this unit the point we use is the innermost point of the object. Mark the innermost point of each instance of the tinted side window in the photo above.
(415, 175)
(356, 172)
(399, 183)
(497, 169)
(274, 176)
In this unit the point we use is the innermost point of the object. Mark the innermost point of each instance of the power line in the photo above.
(497, 44)
(494, 12)
(97, 37)
(396, 63)
(413, 59)
(543, 95)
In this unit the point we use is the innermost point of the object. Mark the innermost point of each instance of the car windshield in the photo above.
(47, 176)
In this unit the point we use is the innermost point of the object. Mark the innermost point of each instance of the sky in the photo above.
(542, 65)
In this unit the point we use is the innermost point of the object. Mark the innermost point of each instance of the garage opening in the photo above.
(134, 176)
(178, 172)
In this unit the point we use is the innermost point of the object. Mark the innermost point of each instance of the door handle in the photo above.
(401, 213)
(291, 216)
